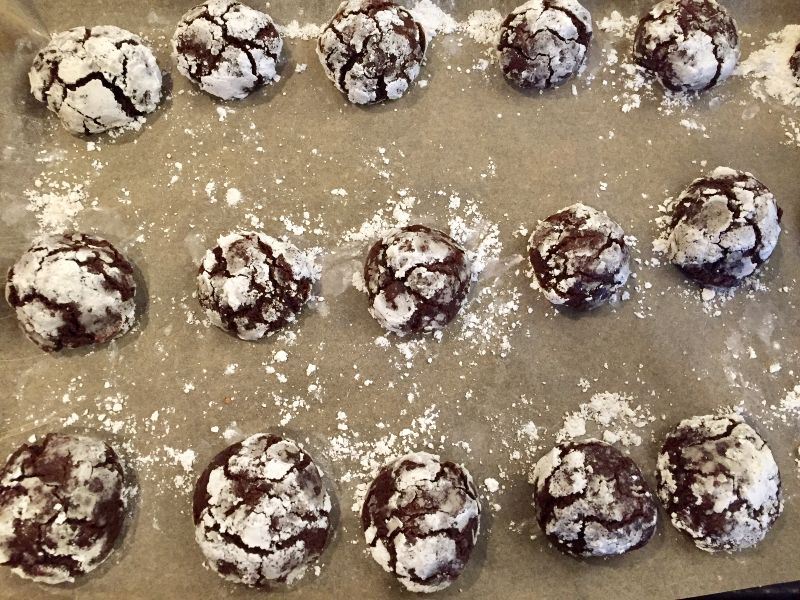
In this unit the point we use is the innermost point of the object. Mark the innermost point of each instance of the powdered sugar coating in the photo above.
(227, 49)
(61, 507)
(591, 500)
(252, 284)
(417, 279)
(724, 226)
(421, 519)
(544, 42)
(691, 45)
(96, 78)
(72, 290)
(579, 257)
(261, 511)
(719, 482)
(372, 50)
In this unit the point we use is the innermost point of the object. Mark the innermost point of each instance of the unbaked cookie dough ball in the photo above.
(261, 511)
(544, 43)
(252, 284)
(96, 78)
(72, 290)
(227, 49)
(579, 257)
(421, 519)
(690, 45)
(417, 278)
(591, 500)
(724, 226)
(61, 507)
(719, 482)
(372, 50)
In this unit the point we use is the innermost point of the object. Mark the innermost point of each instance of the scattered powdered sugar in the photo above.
(613, 414)
(56, 204)
(617, 25)
(433, 19)
(483, 26)
(295, 30)
(769, 70)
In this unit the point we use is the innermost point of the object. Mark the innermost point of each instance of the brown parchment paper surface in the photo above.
(548, 151)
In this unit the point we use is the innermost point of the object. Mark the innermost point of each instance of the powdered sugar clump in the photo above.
(613, 414)
(769, 70)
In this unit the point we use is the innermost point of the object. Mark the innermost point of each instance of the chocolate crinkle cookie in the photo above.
(591, 500)
(62, 507)
(417, 278)
(421, 519)
(724, 226)
(579, 257)
(72, 290)
(252, 284)
(227, 49)
(261, 511)
(719, 482)
(96, 78)
(690, 45)
(372, 50)
(544, 42)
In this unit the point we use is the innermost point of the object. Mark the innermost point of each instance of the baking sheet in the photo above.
(513, 158)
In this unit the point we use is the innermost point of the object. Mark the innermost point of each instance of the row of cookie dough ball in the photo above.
(98, 78)
(262, 509)
(73, 290)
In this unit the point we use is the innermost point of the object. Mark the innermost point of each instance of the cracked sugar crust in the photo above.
(719, 482)
(724, 226)
(96, 78)
(421, 519)
(690, 45)
(579, 257)
(72, 290)
(794, 62)
(261, 511)
(372, 50)
(417, 279)
(251, 284)
(591, 500)
(61, 507)
(227, 49)
(544, 42)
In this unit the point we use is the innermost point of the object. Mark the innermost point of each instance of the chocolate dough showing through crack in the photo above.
(719, 482)
(61, 507)
(421, 519)
(591, 500)
(691, 45)
(72, 290)
(96, 78)
(252, 285)
(579, 257)
(372, 50)
(794, 63)
(544, 43)
(227, 49)
(724, 227)
(417, 278)
(261, 511)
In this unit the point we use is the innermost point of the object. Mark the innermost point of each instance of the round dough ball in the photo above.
(372, 50)
(417, 278)
(724, 226)
(261, 511)
(690, 45)
(251, 284)
(227, 49)
(579, 257)
(421, 519)
(794, 62)
(72, 290)
(96, 78)
(61, 507)
(719, 482)
(542, 44)
(591, 500)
